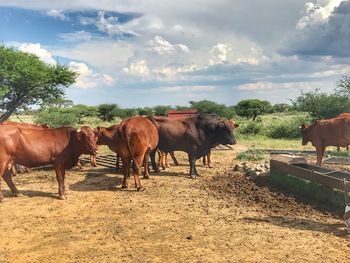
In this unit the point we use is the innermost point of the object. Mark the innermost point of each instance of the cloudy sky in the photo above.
(145, 53)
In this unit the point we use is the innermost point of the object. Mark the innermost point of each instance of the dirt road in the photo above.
(175, 219)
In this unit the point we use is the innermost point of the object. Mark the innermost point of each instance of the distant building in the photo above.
(181, 114)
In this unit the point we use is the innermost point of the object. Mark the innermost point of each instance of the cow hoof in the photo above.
(140, 189)
(124, 186)
(146, 177)
(2, 200)
(210, 166)
(17, 194)
(62, 197)
(192, 176)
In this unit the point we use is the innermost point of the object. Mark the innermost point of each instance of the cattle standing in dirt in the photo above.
(163, 159)
(329, 132)
(206, 158)
(37, 147)
(193, 135)
(137, 137)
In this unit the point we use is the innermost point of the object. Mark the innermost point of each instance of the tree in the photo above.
(26, 81)
(343, 87)
(57, 117)
(161, 110)
(252, 108)
(82, 111)
(145, 111)
(212, 107)
(282, 107)
(107, 112)
(322, 105)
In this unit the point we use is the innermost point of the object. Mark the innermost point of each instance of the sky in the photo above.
(144, 53)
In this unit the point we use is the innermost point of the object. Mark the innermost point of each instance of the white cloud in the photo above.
(161, 46)
(138, 68)
(317, 13)
(87, 78)
(37, 50)
(264, 86)
(172, 89)
(56, 13)
(75, 36)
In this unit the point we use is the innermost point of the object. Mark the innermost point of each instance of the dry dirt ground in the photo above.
(221, 216)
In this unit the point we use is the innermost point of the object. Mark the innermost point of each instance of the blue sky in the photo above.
(145, 53)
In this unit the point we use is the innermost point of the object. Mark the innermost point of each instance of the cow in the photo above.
(206, 158)
(33, 147)
(20, 168)
(137, 137)
(193, 135)
(327, 132)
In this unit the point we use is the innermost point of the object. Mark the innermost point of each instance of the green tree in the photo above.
(82, 111)
(128, 112)
(26, 81)
(162, 110)
(282, 107)
(145, 111)
(107, 112)
(57, 117)
(212, 107)
(252, 108)
(322, 105)
(343, 87)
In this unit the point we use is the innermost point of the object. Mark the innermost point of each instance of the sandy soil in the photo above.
(220, 217)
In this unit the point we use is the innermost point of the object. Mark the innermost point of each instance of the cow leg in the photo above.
(117, 163)
(172, 154)
(192, 160)
(13, 170)
(162, 160)
(204, 160)
(153, 160)
(60, 174)
(126, 171)
(137, 171)
(320, 153)
(8, 179)
(159, 157)
(145, 164)
(80, 166)
(209, 160)
(93, 160)
(3, 169)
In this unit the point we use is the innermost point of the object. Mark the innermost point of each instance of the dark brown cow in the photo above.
(206, 158)
(137, 137)
(328, 132)
(193, 135)
(33, 147)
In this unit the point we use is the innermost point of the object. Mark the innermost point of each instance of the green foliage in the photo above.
(161, 110)
(288, 129)
(322, 105)
(25, 81)
(145, 111)
(57, 117)
(251, 128)
(343, 87)
(282, 107)
(252, 108)
(251, 155)
(126, 113)
(107, 112)
(81, 111)
(213, 108)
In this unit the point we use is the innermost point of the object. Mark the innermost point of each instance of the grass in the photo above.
(252, 155)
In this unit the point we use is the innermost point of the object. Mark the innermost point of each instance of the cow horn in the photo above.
(79, 130)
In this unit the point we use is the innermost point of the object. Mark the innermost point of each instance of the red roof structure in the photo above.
(181, 114)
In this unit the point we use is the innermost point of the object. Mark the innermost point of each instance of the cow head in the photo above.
(87, 140)
(305, 134)
(224, 132)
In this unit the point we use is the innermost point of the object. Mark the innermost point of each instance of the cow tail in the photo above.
(127, 139)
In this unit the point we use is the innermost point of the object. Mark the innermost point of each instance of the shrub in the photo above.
(252, 128)
(57, 117)
(287, 129)
(251, 155)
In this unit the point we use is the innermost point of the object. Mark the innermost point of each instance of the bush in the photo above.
(57, 117)
(107, 112)
(251, 155)
(252, 128)
(285, 129)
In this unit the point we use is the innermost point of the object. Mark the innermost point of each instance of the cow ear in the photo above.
(97, 131)
(79, 134)
(236, 125)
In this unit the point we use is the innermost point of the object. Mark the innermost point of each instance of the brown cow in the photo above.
(20, 168)
(137, 137)
(37, 147)
(163, 159)
(328, 132)
(206, 158)
(193, 135)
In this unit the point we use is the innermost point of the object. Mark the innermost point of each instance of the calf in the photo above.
(37, 147)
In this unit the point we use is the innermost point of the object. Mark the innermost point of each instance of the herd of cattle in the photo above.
(136, 140)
